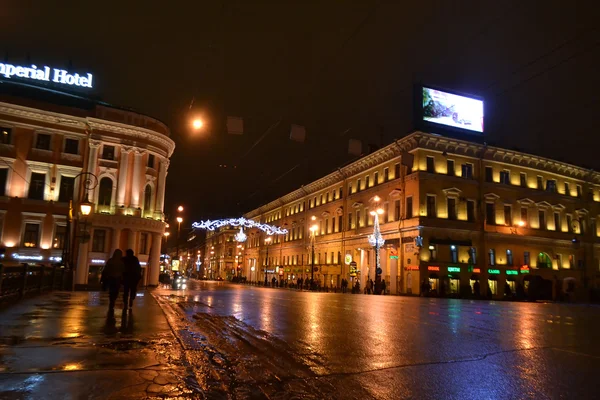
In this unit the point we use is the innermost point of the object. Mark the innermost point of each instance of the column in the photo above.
(136, 181)
(160, 187)
(123, 172)
(116, 238)
(393, 276)
(154, 261)
(132, 240)
(91, 167)
(81, 274)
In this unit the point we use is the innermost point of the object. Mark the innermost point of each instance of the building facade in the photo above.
(457, 217)
(56, 149)
(223, 256)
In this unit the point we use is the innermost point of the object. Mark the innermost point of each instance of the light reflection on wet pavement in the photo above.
(289, 344)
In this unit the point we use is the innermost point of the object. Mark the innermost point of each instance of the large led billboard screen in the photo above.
(452, 110)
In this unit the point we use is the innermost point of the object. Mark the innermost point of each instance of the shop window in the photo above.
(451, 209)
(37, 184)
(454, 285)
(31, 235)
(67, 185)
(511, 288)
(60, 233)
(544, 261)
(453, 254)
(509, 257)
(467, 171)
(71, 146)
(5, 136)
(493, 286)
(492, 257)
(450, 167)
(99, 241)
(42, 141)
(431, 209)
(523, 179)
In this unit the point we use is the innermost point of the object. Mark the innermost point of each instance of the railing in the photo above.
(19, 281)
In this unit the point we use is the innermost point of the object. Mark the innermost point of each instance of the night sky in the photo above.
(343, 69)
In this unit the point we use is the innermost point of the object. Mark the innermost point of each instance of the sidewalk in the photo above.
(61, 346)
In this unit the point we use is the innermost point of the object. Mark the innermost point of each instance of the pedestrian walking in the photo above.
(132, 274)
(111, 278)
(383, 286)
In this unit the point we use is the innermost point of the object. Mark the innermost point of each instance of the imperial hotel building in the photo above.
(457, 216)
(47, 139)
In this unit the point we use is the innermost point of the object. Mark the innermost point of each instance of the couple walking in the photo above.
(121, 270)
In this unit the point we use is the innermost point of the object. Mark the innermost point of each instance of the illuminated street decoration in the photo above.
(240, 236)
(25, 257)
(46, 74)
(241, 222)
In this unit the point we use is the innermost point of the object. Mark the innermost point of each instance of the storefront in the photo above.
(493, 281)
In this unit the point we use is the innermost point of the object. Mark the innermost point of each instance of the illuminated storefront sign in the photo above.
(493, 271)
(476, 270)
(453, 269)
(512, 272)
(46, 74)
(524, 270)
(433, 268)
(97, 261)
(412, 268)
(26, 257)
(348, 259)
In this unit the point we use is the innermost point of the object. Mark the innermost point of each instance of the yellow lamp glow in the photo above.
(197, 123)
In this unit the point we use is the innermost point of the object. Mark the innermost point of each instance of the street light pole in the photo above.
(313, 231)
(267, 242)
(376, 240)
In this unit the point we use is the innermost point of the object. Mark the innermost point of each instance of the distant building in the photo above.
(457, 215)
(47, 139)
(222, 256)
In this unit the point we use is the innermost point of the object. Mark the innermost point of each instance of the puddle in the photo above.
(125, 345)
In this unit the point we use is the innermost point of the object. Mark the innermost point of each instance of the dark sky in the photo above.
(343, 69)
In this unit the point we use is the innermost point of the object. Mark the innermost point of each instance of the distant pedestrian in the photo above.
(111, 278)
(477, 289)
(383, 286)
(131, 277)
(273, 282)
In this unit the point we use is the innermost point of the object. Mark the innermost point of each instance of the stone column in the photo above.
(116, 238)
(137, 179)
(154, 260)
(132, 241)
(160, 187)
(81, 275)
(123, 172)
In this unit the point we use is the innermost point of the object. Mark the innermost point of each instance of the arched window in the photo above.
(105, 193)
(544, 261)
(147, 198)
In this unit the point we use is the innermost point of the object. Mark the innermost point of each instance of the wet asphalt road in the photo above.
(250, 342)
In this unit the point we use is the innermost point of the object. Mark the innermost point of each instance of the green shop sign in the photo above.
(493, 271)
(512, 272)
(453, 269)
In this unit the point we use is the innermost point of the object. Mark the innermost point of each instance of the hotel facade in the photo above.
(457, 217)
(51, 143)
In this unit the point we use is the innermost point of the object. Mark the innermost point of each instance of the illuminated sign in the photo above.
(348, 259)
(476, 270)
(25, 257)
(412, 268)
(524, 270)
(97, 261)
(512, 272)
(143, 263)
(493, 271)
(175, 265)
(46, 74)
(453, 269)
(452, 110)
(432, 268)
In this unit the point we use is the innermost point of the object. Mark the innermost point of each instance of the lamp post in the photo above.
(376, 240)
(313, 233)
(179, 221)
(267, 243)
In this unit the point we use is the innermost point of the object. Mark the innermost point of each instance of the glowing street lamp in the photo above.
(179, 221)
(313, 233)
(180, 208)
(376, 239)
(197, 124)
(267, 243)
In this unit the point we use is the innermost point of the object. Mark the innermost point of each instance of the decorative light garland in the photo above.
(241, 222)
(240, 236)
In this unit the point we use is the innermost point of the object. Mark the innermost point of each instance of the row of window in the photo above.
(298, 259)
(31, 238)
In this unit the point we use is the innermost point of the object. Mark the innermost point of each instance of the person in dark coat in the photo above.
(112, 274)
(132, 274)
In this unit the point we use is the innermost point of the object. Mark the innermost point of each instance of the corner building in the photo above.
(458, 216)
(48, 139)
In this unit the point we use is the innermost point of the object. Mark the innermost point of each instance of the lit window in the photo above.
(31, 236)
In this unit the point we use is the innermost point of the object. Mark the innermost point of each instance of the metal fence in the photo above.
(23, 280)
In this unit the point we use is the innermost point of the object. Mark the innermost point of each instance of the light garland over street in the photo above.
(241, 222)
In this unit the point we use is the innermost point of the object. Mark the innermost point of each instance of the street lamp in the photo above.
(313, 233)
(179, 221)
(376, 240)
(267, 243)
(180, 208)
(197, 124)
